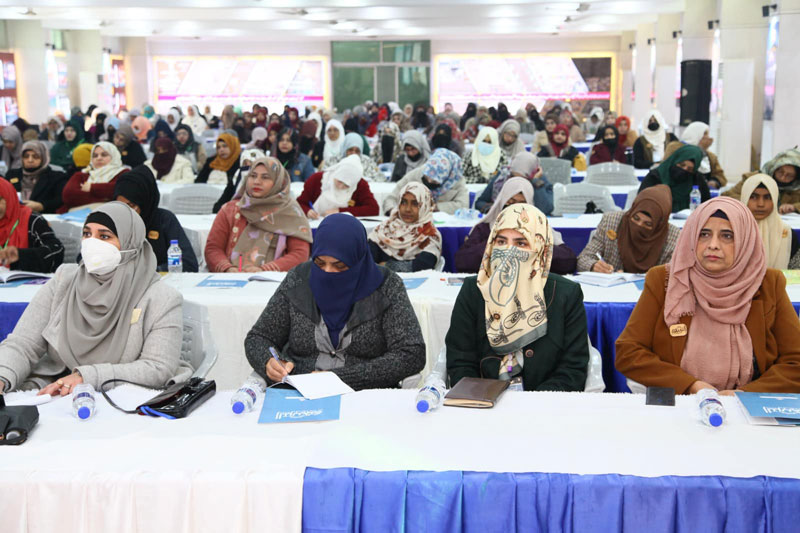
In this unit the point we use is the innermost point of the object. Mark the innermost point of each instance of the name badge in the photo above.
(296, 172)
(611, 234)
(678, 330)
(351, 203)
(152, 235)
(135, 315)
(14, 180)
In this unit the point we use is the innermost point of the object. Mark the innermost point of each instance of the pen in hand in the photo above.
(277, 368)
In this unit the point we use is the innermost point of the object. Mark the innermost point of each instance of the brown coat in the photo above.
(648, 354)
(786, 197)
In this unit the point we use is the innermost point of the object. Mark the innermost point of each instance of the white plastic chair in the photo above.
(197, 346)
(195, 199)
(636, 387)
(556, 170)
(631, 197)
(613, 173)
(439, 264)
(573, 198)
(527, 138)
(594, 371)
(70, 236)
(209, 140)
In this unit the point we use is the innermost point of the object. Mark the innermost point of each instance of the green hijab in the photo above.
(61, 152)
(680, 190)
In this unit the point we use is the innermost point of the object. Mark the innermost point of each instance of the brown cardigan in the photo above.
(648, 354)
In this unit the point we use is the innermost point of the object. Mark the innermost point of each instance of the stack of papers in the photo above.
(607, 280)
(770, 408)
(317, 397)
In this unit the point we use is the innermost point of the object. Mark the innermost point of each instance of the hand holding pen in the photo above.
(277, 368)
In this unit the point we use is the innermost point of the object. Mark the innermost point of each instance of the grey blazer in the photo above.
(380, 345)
(152, 355)
(456, 197)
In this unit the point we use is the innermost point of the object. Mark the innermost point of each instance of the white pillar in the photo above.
(625, 61)
(27, 39)
(137, 88)
(644, 78)
(698, 40)
(86, 67)
(666, 69)
(785, 129)
(743, 37)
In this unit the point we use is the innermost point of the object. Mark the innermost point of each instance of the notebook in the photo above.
(288, 405)
(7, 276)
(606, 280)
(475, 392)
(770, 408)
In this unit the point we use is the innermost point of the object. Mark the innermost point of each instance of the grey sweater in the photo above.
(152, 352)
(381, 343)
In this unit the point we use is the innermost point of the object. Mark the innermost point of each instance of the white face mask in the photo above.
(99, 257)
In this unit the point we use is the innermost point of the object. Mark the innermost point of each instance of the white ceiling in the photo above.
(305, 19)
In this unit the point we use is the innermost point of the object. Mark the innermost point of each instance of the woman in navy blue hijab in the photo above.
(339, 312)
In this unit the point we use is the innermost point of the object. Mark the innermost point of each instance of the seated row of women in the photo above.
(715, 317)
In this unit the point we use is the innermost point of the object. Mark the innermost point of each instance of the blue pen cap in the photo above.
(715, 419)
(238, 408)
(422, 406)
(84, 413)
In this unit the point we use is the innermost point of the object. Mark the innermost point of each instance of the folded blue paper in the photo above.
(217, 283)
(288, 405)
(413, 283)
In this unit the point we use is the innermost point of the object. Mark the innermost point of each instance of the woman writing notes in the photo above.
(341, 313)
(108, 317)
(716, 316)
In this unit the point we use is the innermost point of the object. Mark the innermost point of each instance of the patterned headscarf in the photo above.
(405, 240)
(444, 167)
(269, 219)
(512, 280)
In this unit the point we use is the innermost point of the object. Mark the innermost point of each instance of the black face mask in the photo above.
(414, 158)
(653, 126)
(680, 175)
(431, 185)
(440, 140)
(306, 144)
(611, 143)
(387, 148)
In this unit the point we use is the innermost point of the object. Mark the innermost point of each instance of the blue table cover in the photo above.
(9, 316)
(347, 499)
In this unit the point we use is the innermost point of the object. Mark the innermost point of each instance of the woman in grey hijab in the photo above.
(12, 147)
(108, 317)
(416, 152)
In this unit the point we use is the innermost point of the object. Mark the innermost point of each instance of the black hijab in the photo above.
(351, 125)
(191, 144)
(472, 110)
(287, 159)
(442, 137)
(502, 112)
(610, 144)
(139, 187)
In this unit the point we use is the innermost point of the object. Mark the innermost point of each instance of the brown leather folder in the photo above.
(475, 392)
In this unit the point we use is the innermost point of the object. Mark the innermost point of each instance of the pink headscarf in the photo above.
(718, 349)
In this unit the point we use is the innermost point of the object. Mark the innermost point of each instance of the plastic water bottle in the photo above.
(174, 257)
(468, 214)
(83, 403)
(244, 399)
(694, 198)
(431, 395)
(712, 412)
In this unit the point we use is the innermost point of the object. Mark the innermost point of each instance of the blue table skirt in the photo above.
(9, 316)
(347, 499)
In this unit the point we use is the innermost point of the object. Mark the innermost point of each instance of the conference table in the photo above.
(535, 462)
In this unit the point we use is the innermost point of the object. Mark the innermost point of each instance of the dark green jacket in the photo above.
(558, 360)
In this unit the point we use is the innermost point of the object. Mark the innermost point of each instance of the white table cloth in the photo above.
(214, 471)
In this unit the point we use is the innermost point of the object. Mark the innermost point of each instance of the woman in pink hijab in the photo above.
(715, 317)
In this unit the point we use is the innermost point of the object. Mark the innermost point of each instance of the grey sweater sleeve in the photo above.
(403, 337)
(161, 351)
(271, 329)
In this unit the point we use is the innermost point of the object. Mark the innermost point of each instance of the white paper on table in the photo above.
(606, 280)
(318, 385)
(277, 277)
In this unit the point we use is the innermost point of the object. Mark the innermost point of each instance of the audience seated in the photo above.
(39, 184)
(262, 228)
(353, 145)
(678, 171)
(339, 189)
(296, 163)
(168, 166)
(515, 190)
(61, 151)
(28, 242)
(523, 165)
(441, 173)
(650, 147)
(12, 147)
(716, 317)
(408, 241)
(634, 240)
(222, 167)
(94, 184)
(390, 146)
(190, 148)
(508, 135)
(785, 169)
(138, 190)
(78, 327)
(697, 134)
(485, 160)
(606, 147)
(129, 148)
(627, 135)
(331, 145)
(780, 243)
(339, 313)
(516, 308)
(560, 147)
(416, 152)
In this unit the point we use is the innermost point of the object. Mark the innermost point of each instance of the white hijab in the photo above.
(693, 134)
(349, 171)
(333, 148)
(656, 138)
(775, 233)
(487, 163)
(108, 172)
(318, 119)
(197, 123)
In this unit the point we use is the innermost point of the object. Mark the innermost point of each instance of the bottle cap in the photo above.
(84, 412)
(174, 241)
(715, 419)
(238, 408)
(422, 406)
